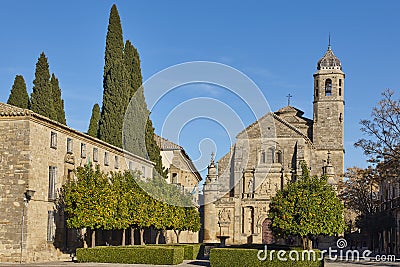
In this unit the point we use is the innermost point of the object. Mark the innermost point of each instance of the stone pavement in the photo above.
(189, 263)
(186, 263)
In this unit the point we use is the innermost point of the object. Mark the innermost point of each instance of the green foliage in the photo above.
(155, 255)
(58, 102)
(120, 200)
(42, 96)
(94, 121)
(191, 251)
(116, 91)
(132, 65)
(19, 96)
(153, 150)
(88, 200)
(134, 128)
(306, 207)
(232, 257)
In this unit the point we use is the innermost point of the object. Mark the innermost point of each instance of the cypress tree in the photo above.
(94, 121)
(153, 150)
(42, 97)
(19, 96)
(58, 102)
(115, 87)
(138, 127)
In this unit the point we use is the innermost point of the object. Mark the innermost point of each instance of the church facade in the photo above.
(267, 155)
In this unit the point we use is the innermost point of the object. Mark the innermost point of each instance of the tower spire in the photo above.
(329, 42)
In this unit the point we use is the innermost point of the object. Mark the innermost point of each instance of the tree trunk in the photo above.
(84, 237)
(123, 237)
(93, 231)
(132, 236)
(141, 236)
(307, 242)
(157, 236)
(177, 233)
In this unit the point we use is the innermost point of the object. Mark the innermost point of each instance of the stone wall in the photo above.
(26, 156)
(15, 162)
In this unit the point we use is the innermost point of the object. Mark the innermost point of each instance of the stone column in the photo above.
(210, 192)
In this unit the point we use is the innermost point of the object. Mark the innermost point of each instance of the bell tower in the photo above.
(328, 126)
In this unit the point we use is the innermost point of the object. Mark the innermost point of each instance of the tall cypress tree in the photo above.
(115, 87)
(58, 102)
(19, 96)
(94, 121)
(42, 97)
(139, 131)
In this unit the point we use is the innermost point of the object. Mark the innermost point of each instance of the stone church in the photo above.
(267, 154)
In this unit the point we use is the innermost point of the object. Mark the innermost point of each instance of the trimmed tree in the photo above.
(94, 121)
(19, 96)
(89, 201)
(116, 92)
(42, 96)
(306, 207)
(58, 102)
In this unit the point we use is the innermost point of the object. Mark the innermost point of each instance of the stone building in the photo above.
(39, 154)
(267, 154)
(183, 174)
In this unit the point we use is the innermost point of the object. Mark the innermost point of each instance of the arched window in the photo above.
(328, 87)
(270, 155)
(262, 157)
(279, 156)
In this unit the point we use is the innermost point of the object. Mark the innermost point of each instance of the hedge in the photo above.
(191, 251)
(239, 257)
(158, 255)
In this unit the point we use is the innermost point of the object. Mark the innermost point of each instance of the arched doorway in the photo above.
(267, 236)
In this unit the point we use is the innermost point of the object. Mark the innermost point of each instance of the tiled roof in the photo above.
(165, 144)
(7, 110)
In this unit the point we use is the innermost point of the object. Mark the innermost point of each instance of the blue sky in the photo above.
(275, 43)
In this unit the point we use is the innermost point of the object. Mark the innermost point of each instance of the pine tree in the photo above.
(94, 121)
(42, 97)
(58, 102)
(115, 87)
(19, 96)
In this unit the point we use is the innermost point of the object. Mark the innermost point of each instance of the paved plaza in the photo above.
(189, 263)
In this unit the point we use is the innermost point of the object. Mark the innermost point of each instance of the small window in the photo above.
(317, 92)
(316, 84)
(53, 140)
(51, 227)
(116, 162)
(340, 91)
(69, 145)
(340, 82)
(52, 183)
(143, 171)
(106, 162)
(95, 154)
(174, 178)
(130, 165)
(83, 150)
(328, 87)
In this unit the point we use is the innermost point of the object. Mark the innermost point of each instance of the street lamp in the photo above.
(28, 194)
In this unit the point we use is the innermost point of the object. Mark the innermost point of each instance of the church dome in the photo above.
(329, 61)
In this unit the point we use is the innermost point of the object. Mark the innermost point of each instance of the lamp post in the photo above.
(28, 194)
